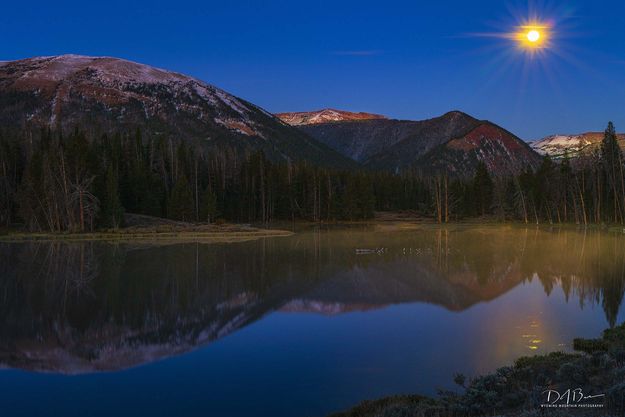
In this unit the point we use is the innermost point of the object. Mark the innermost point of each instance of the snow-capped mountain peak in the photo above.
(325, 116)
(572, 145)
(115, 80)
(106, 94)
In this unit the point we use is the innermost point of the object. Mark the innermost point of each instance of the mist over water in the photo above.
(299, 325)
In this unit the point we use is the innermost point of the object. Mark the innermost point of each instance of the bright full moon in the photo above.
(533, 36)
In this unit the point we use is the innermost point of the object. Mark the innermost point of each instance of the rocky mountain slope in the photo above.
(557, 146)
(501, 151)
(454, 141)
(104, 94)
(362, 140)
(325, 116)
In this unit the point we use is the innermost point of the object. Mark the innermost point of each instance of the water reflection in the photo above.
(84, 307)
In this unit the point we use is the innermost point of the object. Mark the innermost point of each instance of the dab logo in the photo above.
(571, 398)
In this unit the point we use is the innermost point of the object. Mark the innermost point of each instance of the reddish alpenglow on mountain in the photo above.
(64, 89)
(501, 151)
(454, 142)
(325, 116)
(110, 95)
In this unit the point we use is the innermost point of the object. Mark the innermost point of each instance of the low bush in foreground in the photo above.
(598, 368)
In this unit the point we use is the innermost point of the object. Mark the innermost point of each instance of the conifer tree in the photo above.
(181, 206)
(208, 206)
(112, 210)
(612, 164)
(482, 190)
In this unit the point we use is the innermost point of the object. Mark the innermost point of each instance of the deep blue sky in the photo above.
(412, 59)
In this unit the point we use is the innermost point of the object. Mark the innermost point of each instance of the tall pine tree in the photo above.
(482, 190)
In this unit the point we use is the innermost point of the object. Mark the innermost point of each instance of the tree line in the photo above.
(51, 181)
(586, 189)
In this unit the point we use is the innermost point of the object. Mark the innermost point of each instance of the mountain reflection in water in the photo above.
(89, 306)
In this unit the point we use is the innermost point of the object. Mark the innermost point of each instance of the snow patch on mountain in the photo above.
(326, 308)
(558, 144)
(109, 72)
(232, 102)
(117, 82)
(325, 116)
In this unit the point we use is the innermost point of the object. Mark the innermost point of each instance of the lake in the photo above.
(291, 326)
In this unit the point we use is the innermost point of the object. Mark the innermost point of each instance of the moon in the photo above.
(533, 36)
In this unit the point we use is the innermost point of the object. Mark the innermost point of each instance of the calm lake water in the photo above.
(290, 326)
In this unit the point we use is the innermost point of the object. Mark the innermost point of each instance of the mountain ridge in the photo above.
(107, 94)
(499, 149)
(439, 143)
(559, 145)
(326, 115)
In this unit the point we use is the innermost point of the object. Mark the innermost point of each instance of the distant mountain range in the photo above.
(107, 95)
(104, 94)
(455, 142)
(557, 146)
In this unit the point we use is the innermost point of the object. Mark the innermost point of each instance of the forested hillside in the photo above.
(55, 181)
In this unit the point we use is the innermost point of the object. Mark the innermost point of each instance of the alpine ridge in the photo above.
(454, 142)
(105, 94)
(559, 146)
(325, 116)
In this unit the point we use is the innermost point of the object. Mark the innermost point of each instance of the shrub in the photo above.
(590, 345)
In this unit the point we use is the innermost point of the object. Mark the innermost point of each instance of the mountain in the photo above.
(573, 145)
(454, 141)
(325, 116)
(103, 94)
(362, 140)
(501, 151)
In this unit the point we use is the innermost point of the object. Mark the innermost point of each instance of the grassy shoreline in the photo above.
(144, 228)
(146, 236)
(228, 232)
(220, 234)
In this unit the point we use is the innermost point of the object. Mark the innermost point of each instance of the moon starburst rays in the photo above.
(532, 37)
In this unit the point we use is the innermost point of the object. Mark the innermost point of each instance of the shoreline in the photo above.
(595, 367)
(142, 236)
(237, 232)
